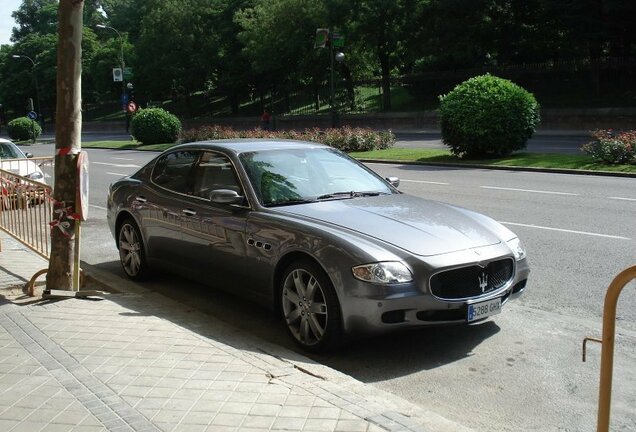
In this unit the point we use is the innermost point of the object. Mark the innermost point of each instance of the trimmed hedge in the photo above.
(347, 139)
(23, 128)
(487, 116)
(155, 126)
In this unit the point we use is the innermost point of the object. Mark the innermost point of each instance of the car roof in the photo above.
(247, 145)
(2, 140)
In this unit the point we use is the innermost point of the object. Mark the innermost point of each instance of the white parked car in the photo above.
(9, 152)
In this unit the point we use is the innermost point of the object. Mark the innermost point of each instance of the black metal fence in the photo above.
(604, 82)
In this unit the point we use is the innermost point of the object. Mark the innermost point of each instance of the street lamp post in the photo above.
(35, 80)
(121, 60)
(339, 57)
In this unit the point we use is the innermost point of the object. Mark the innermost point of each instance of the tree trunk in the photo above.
(349, 85)
(68, 129)
(234, 101)
(386, 82)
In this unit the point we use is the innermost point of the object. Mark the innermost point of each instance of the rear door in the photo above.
(160, 204)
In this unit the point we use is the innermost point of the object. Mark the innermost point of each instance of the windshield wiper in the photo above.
(350, 194)
(289, 202)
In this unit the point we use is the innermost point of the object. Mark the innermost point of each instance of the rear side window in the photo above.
(174, 171)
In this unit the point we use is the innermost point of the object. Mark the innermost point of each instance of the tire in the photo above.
(310, 307)
(131, 251)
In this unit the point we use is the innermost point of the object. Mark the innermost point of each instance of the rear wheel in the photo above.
(310, 307)
(131, 251)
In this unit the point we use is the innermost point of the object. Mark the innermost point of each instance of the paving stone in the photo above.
(139, 361)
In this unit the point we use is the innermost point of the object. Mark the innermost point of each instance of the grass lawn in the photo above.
(126, 145)
(525, 160)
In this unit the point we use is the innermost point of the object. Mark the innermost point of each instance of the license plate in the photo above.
(485, 309)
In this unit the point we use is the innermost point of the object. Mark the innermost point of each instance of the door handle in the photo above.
(188, 212)
(140, 199)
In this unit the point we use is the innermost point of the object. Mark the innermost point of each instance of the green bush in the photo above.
(487, 116)
(155, 126)
(347, 139)
(23, 128)
(612, 148)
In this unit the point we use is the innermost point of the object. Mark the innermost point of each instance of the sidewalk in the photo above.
(135, 360)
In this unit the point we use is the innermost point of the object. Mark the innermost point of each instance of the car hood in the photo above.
(419, 226)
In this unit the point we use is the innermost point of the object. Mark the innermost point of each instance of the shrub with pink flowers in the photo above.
(612, 147)
(347, 139)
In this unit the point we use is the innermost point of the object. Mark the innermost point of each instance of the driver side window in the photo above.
(214, 171)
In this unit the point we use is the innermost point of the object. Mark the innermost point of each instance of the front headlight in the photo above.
(383, 272)
(517, 249)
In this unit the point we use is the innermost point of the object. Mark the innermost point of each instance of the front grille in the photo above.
(472, 281)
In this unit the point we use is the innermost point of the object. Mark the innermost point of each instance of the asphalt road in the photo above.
(520, 371)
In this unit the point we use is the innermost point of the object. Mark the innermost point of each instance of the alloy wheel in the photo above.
(130, 250)
(305, 307)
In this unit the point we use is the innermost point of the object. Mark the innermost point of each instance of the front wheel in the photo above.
(131, 251)
(310, 307)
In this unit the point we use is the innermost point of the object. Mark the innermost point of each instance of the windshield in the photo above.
(282, 177)
(9, 151)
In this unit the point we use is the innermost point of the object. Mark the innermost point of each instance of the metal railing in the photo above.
(26, 207)
(607, 341)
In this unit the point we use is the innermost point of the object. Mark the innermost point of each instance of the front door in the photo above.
(214, 234)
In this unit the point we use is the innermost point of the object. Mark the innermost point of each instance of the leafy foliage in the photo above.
(23, 128)
(612, 148)
(347, 139)
(487, 116)
(259, 52)
(155, 126)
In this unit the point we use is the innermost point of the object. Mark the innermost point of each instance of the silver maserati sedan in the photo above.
(303, 228)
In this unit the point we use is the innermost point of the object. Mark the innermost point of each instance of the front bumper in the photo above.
(385, 310)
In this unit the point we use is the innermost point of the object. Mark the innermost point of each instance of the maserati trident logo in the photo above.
(483, 281)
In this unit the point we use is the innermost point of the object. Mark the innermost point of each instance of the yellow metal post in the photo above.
(607, 352)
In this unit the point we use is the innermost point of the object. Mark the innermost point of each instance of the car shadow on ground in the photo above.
(369, 360)
(402, 353)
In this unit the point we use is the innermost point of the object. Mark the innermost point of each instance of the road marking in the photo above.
(117, 174)
(422, 181)
(120, 158)
(530, 190)
(117, 165)
(97, 207)
(623, 199)
(566, 230)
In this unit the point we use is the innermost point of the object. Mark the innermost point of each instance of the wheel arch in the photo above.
(280, 268)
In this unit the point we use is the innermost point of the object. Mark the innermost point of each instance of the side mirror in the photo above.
(29, 155)
(395, 181)
(226, 196)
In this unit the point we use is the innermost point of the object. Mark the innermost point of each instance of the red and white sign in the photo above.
(131, 107)
(81, 194)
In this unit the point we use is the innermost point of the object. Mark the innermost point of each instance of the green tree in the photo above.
(385, 27)
(278, 41)
(20, 76)
(232, 72)
(178, 48)
(127, 15)
(34, 16)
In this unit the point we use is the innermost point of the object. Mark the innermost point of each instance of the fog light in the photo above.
(393, 317)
